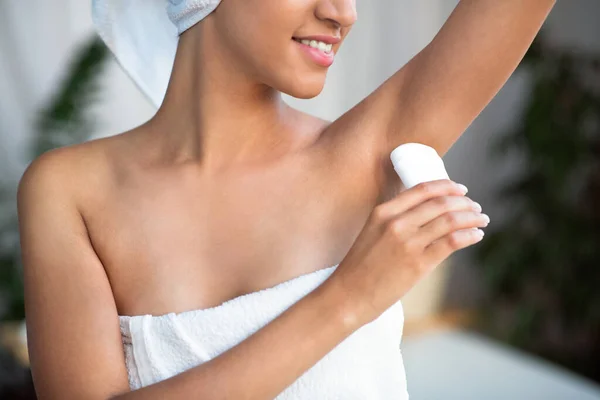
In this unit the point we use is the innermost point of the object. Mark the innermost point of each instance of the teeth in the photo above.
(324, 47)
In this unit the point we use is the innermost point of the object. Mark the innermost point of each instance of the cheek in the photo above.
(270, 50)
(261, 38)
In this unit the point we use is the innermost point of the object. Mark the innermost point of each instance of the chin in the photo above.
(304, 89)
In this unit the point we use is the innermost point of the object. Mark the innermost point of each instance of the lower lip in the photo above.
(317, 55)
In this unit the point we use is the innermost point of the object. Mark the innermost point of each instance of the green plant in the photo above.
(63, 122)
(542, 265)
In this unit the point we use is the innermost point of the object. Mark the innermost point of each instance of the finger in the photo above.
(442, 248)
(431, 209)
(418, 194)
(447, 223)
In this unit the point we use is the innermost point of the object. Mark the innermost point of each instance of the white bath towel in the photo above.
(367, 365)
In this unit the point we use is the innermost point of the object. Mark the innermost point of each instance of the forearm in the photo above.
(456, 75)
(271, 359)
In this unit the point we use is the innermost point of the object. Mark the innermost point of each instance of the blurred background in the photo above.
(515, 317)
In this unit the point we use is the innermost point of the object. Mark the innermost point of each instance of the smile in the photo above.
(313, 51)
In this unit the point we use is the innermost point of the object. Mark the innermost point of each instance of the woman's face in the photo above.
(260, 35)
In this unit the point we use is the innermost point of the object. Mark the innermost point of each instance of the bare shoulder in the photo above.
(68, 171)
(55, 168)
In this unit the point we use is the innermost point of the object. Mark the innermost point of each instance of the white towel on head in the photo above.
(186, 13)
(143, 35)
(366, 365)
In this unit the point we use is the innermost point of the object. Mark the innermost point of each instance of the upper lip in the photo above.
(322, 38)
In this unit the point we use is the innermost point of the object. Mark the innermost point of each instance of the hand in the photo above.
(403, 240)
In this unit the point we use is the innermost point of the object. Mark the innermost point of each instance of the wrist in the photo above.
(344, 307)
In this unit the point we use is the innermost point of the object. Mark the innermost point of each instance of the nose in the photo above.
(341, 12)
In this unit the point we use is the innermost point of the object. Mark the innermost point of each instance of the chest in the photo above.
(170, 243)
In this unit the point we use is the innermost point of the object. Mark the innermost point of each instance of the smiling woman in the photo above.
(226, 248)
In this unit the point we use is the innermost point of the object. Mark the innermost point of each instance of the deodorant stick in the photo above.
(415, 163)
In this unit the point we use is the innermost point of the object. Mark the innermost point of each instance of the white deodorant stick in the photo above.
(415, 163)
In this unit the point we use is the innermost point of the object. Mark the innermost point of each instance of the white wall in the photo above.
(37, 40)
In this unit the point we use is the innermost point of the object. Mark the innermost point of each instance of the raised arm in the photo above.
(434, 97)
(73, 326)
(439, 92)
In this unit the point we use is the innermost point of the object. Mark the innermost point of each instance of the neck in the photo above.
(216, 114)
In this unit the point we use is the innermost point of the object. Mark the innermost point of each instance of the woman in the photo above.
(233, 247)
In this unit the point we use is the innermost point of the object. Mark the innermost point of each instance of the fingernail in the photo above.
(486, 218)
(463, 188)
(477, 206)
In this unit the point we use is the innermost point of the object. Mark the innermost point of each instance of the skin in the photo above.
(227, 190)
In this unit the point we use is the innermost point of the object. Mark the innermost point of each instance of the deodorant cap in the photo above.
(415, 163)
